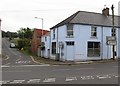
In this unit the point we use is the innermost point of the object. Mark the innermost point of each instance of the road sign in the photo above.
(110, 40)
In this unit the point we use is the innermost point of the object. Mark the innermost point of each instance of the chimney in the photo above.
(105, 11)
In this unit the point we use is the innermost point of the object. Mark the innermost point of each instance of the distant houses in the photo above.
(81, 37)
(36, 40)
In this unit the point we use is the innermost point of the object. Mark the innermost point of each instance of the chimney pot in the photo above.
(105, 11)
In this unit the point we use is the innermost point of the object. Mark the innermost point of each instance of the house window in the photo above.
(45, 39)
(93, 31)
(53, 47)
(69, 30)
(93, 49)
(70, 43)
(53, 33)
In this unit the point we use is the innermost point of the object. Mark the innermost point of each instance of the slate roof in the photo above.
(89, 18)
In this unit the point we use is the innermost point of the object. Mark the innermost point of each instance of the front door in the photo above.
(70, 51)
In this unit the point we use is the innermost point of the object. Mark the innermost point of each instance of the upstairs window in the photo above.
(69, 30)
(93, 31)
(53, 33)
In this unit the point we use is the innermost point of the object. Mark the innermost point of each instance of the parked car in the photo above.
(12, 45)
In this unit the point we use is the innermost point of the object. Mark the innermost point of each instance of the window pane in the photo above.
(90, 44)
(69, 29)
(90, 52)
(94, 31)
(70, 43)
(96, 52)
(96, 45)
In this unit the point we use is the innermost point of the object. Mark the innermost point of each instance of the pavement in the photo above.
(41, 60)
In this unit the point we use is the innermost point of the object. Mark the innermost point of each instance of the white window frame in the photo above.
(70, 32)
(93, 31)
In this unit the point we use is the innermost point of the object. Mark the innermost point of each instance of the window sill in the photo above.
(69, 36)
(93, 37)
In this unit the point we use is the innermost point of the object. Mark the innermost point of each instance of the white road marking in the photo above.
(116, 76)
(49, 80)
(87, 77)
(17, 81)
(4, 82)
(22, 62)
(34, 81)
(103, 76)
(70, 78)
(17, 59)
(7, 57)
(5, 66)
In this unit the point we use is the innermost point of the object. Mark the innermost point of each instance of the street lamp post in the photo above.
(39, 50)
(42, 23)
(0, 39)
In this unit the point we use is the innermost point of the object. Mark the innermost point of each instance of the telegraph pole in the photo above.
(113, 31)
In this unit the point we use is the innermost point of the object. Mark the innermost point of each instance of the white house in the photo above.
(82, 36)
(45, 47)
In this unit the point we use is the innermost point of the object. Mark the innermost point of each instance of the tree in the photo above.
(3, 34)
(25, 33)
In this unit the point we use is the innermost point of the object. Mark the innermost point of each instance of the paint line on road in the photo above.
(18, 59)
(34, 81)
(87, 77)
(71, 78)
(7, 57)
(5, 66)
(49, 80)
(18, 62)
(4, 82)
(17, 82)
(103, 76)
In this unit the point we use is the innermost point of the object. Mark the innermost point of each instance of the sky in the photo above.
(21, 13)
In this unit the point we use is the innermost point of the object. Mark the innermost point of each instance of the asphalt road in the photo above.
(20, 69)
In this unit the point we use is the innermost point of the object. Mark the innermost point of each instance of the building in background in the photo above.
(36, 41)
(45, 46)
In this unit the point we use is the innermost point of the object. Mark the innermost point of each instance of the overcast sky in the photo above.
(21, 13)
